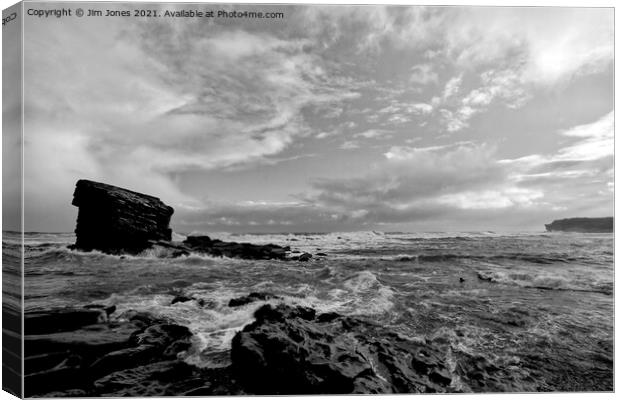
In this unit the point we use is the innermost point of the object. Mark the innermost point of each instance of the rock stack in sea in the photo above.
(116, 220)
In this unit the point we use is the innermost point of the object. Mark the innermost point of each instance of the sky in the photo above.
(333, 118)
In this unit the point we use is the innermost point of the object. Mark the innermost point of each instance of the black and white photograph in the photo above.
(229, 199)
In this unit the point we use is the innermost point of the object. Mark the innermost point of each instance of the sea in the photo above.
(536, 304)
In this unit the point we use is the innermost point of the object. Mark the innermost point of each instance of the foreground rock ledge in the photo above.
(291, 350)
(93, 351)
(81, 352)
(116, 220)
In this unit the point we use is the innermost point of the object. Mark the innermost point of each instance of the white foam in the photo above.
(563, 278)
(214, 324)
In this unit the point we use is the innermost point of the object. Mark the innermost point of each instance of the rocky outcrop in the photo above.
(287, 350)
(304, 257)
(135, 354)
(291, 350)
(64, 320)
(585, 225)
(219, 248)
(116, 220)
(251, 298)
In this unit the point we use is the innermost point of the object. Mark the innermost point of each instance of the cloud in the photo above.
(138, 105)
(449, 186)
(326, 134)
(452, 87)
(423, 74)
(492, 199)
(546, 45)
(593, 142)
(455, 121)
(505, 86)
(409, 175)
(400, 112)
(464, 178)
(349, 145)
(373, 134)
(403, 188)
(514, 51)
(578, 176)
(420, 108)
(264, 216)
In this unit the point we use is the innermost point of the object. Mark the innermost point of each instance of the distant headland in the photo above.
(586, 225)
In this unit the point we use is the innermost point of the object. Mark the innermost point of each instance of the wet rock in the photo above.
(116, 220)
(96, 339)
(252, 297)
(218, 248)
(68, 393)
(163, 249)
(181, 299)
(168, 378)
(291, 350)
(156, 343)
(44, 361)
(108, 309)
(305, 257)
(205, 390)
(198, 242)
(156, 379)
(62, 319)
(484, 277)
(482, 375)
(141, 318)
(56, 379)
(70, 361)
(206, 303)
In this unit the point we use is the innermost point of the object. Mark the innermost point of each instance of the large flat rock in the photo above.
(219, 248)
(116, 220)
(135, 350)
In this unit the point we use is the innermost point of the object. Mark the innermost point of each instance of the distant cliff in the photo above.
(588, 225)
